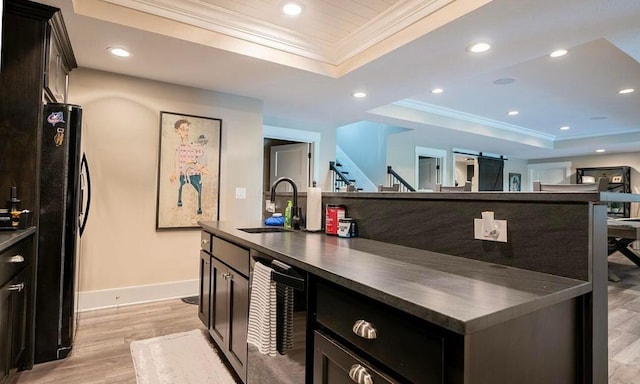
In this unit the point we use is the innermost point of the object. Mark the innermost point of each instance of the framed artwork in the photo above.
(188, 170)
(514, 182)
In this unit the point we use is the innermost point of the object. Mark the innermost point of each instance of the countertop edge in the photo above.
(9, 238)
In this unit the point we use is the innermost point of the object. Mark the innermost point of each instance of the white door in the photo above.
(428, 173)
(294, 161)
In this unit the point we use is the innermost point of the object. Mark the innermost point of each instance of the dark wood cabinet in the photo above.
(219, 320)
(204, 298)
(224, 298)
(16, 300)
(36, 58)
(411, 349)
(335, 364)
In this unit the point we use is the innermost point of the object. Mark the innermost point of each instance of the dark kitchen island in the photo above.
(444, 318)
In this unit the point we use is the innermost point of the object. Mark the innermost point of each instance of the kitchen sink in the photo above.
(264, 230)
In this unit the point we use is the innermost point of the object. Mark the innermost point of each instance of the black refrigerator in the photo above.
(59, 227)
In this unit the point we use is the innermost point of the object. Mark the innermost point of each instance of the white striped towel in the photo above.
(262, 311)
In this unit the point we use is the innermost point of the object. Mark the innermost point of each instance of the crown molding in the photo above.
(236, 32)
(395, 19)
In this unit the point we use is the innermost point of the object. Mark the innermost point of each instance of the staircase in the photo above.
(340, 178)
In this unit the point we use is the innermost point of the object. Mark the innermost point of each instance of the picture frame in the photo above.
(188, 170)
(515, 182)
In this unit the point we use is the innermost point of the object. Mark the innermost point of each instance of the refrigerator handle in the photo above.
(84, 174)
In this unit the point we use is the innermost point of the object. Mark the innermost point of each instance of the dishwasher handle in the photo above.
(294, 282)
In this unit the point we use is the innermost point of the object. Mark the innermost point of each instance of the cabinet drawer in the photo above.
(205, 241)
(333, 363)
(14, 259)
(407, 345)
(234, 256)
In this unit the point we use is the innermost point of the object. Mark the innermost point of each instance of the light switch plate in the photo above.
(502, 231)
(241, 193)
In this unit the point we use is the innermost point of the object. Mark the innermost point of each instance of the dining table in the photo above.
(621, 232)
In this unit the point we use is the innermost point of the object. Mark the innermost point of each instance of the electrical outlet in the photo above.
(270, 206)
(500, 233)
(241, 193)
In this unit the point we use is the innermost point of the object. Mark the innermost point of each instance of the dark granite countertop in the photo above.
(456, 293)
(9, 238)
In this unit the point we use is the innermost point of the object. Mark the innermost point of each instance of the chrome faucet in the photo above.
(296, 213)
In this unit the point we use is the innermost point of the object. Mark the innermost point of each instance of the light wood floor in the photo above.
(101, 351)
(624, 322)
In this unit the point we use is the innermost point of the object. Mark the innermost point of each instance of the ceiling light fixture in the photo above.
(504, 81)
(513, 113)
(600, 150)
(565, 128)
(359, 94)
(119, 52)
(479, 47)
(626, 91)
(437, 90)
(558, 53)
(292, 9)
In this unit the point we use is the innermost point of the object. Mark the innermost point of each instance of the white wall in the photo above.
(631, 159)
(121, 247)
(402, 157)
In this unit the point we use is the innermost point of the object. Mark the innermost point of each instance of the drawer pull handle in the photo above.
(359, 374)
(365, 329)
(16, 287)
(16, 259)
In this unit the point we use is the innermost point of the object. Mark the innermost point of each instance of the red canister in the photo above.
(334, 213)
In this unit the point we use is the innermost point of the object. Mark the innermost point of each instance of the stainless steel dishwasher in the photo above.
(288, 365)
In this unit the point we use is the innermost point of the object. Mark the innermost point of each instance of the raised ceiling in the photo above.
(305, 69)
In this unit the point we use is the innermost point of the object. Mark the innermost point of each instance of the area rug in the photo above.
(185, 358)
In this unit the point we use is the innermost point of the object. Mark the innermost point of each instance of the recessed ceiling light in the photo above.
(359, 94)
(292, 9)
(504, 81)
(479, 47)
(512, 113)
(119, 52)
(599, 150)
(626, 90)
(565, 128)
(437, 90)
(558, 53)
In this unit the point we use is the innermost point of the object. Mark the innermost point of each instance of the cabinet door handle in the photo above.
(365, 329)
(205, 241)
(359, 374)
(227, 276)
(16, 259)
(16, 287)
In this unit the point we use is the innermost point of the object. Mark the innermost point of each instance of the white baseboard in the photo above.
(109, 298)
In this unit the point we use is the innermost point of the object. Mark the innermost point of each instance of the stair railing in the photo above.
(395, 178)
(339, 178)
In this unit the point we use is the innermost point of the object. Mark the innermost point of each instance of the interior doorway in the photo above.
(430, 168)
(285, 158)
